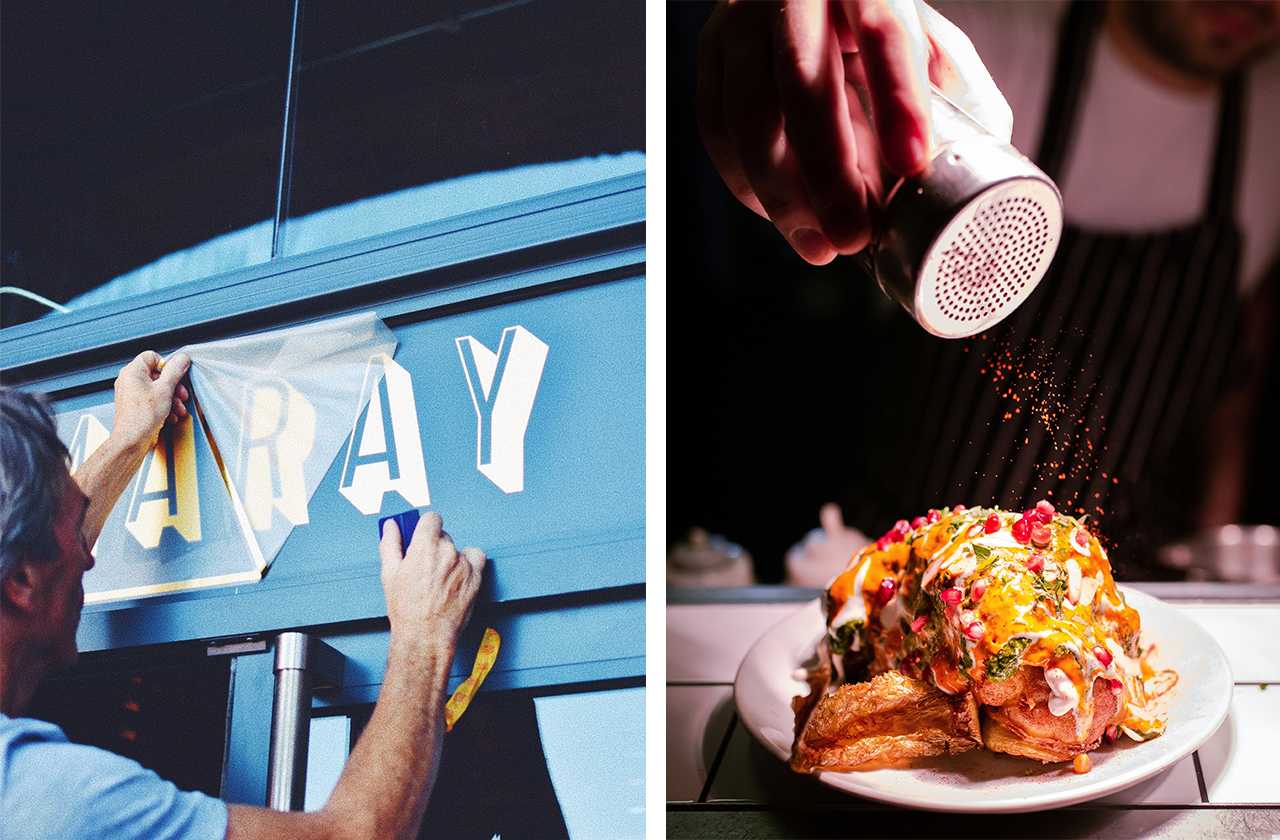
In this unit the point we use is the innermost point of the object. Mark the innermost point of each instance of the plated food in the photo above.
(977, 628)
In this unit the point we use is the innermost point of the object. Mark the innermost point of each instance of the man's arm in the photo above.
(383, 791)
(148, 392)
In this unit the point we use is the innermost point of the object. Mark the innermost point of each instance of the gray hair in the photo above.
(31, 461)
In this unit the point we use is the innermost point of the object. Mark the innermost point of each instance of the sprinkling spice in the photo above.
(1028, 376)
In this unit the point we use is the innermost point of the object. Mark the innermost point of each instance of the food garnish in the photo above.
(1015, 617)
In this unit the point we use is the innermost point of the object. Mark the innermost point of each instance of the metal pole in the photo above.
(284, 180)
(302, 664)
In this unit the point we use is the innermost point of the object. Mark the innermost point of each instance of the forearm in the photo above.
(103, 477)
(389, 776)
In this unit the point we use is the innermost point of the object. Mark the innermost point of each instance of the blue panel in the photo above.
(547, 220)
(547, 647)
(244, 775)
(577, 524)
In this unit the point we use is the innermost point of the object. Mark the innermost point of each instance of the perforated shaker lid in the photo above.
(988, 258)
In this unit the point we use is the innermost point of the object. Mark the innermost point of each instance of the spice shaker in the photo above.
(964, 243)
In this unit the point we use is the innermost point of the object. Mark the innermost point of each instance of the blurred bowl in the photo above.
(706, 560)
(1234, 553)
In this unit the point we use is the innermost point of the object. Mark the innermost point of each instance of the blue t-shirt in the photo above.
(51, 788)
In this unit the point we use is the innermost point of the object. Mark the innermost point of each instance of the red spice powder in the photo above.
(1023, 376)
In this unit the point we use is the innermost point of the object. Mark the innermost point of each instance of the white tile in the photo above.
(1248, 633)
(1239, 762)
(698, 718)
(1177, 785)
(748, 772)
(706, 642)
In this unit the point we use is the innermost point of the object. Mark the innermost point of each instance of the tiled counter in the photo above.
(721, 783)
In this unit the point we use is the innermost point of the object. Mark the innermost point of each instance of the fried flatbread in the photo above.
(884, 721)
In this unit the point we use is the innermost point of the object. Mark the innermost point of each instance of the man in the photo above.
(1157, 121)
(50, 788)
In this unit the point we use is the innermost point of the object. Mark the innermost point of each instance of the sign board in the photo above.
(523, 425)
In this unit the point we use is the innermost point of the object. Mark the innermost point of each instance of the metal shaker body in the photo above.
(963, 244)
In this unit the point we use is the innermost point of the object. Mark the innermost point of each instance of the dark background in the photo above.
(133, 130)
(776, 375)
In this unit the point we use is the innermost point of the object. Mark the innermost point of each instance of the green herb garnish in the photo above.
(1054, 590)
(982, 552)
(1063, 651)
(843, 636)
(1002, 664)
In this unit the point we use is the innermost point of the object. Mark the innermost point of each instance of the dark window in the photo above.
(133, 132)
(142, 143)
(547, 762)
(409, 117)
(143, 711)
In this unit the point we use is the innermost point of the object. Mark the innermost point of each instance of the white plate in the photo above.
(986, 782)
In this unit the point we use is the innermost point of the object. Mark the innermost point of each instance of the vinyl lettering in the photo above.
(384, 452)
(277, 431)
(165, 492)
(503, 387)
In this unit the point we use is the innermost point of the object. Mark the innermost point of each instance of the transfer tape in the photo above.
(462, 695)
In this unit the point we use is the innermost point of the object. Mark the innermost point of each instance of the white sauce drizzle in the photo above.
(855, 607)
(893, 612)
(1065, 697)
(1073, 580)
(1089, 588)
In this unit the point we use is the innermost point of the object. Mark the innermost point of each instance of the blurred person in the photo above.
(1143, 345)
(49, 518)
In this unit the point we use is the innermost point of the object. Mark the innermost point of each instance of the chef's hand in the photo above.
(149, 392)
(782, 122)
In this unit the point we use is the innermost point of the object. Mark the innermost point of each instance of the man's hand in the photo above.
(431, 587)
(780, 114)
(149, 392)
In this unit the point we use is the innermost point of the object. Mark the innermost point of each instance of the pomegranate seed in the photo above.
(992, 524)
(1030, 513)
(1103, 655)
(1022, 530)
(1035, 562)
(919, 623)
(882, 543)
(975, 631)
(1044, 506)
(933, 517)
(952, 596)
(1113, 733)
(1116, 685)
(1041, 535)
(1081, 763)
(958, 509)
(888, 587)
(917, 523)
(979, 589)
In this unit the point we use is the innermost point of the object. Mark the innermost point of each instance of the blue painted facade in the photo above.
(565, 585)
